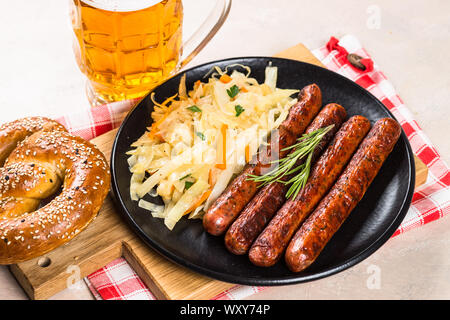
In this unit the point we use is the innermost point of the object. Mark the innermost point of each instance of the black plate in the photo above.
(370, 224)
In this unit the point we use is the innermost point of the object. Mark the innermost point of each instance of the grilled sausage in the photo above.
(351, 186)
(271, 243)
(271, 197)
(240, 191)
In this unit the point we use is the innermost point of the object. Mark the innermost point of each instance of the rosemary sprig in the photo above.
(298, 182)
(284, 172)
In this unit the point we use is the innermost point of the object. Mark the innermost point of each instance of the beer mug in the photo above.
(127, 47)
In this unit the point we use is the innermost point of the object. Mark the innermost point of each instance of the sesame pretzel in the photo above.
(39, 158)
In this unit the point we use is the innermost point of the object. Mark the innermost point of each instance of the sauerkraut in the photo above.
(201, 138)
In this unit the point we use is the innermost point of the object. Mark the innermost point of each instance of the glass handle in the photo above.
(205, 32)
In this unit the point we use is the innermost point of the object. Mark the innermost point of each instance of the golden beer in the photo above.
(126, 48)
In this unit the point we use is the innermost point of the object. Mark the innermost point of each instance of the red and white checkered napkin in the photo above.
(117, 281)
(431, 201)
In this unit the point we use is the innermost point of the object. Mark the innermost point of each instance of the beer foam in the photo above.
(121, 5)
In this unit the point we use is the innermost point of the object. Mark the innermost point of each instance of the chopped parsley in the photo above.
(200, 135)
(194, 108)
(238, 109)
(186, 176)
(188, 184)
(233, 91)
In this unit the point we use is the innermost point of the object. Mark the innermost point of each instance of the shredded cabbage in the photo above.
(201, 138)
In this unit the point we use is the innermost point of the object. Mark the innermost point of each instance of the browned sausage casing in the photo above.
(271, 197)
(351, 186)
(271, 243)
(240, 191)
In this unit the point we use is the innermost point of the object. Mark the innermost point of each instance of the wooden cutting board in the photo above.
(108, 237)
